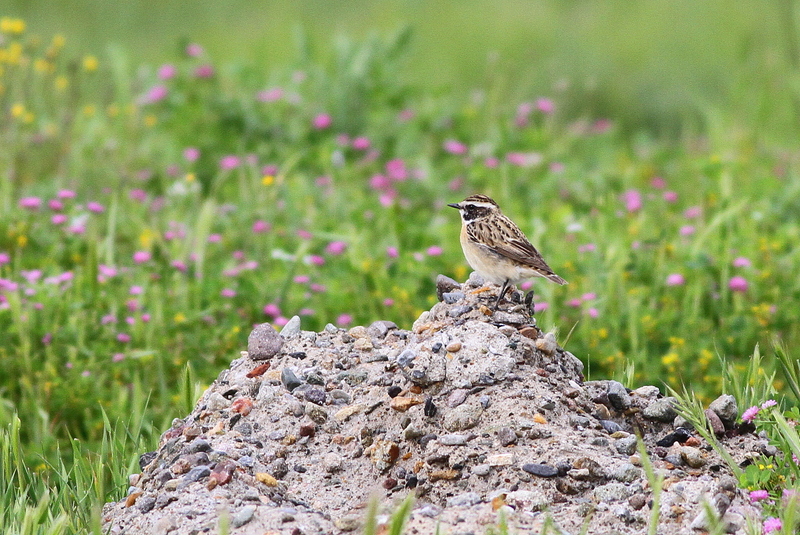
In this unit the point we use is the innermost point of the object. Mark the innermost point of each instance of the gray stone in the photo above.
(197, 473)
(453, 297)
(453, 439)
(540, 470)
(618, 396)
(243, 516)
(610, 427)
(662, 410)
(292, 327)
(380, 328)
(627, 473)
(264, 342)
(217, 402)
(692, 456)
(506, 436)
(457, 397)
(463, 417)
(315, 395)
(626, 445)
(145, 504)
(460, 310)
(725, 407)
(164, 525)
(481, 470)
(613, 492)
(467, 499)
(445, 284)
(289, 379)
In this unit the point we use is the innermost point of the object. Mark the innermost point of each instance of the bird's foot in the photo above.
(529, 302)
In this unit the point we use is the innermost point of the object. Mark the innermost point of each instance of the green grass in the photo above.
(117, 313)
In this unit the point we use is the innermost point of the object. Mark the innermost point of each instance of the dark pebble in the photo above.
(146, 459)
(299, 355)
(429, 409)
(445, 284)
(394, 391)
(485, 380)
(316, 395)
(264, 342)
(406, 358)
(610, 427)
(541, 470)
(389, 483)
(452, 297)
(485, 401)
(308, 430)
(289, 379)
(506, 436)
(411, 481)
(424, 439)
(436, 347)
(459, 310)
(300, 469)
(146, 503)
(716, 423)
(618, 396)
(197, 473)
(681, 434)
(197, 445)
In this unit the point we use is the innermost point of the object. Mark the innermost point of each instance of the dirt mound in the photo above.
(475, 413)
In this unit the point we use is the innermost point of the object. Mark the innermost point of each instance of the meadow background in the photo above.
(173, 173)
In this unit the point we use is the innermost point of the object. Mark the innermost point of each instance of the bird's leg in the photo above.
(529, 302)
(499, 297)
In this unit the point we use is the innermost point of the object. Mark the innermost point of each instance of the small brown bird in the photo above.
(496, 248)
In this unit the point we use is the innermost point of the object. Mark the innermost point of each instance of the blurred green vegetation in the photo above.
(669, 66)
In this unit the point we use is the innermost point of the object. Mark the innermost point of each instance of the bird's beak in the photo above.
(455, 205)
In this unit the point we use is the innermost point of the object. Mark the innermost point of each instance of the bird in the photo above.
(496, 248)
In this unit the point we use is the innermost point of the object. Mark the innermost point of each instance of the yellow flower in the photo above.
(146, 238)
(58, 40)
(268, 180)
(179, 317)
(670, 359)
(90, 63)
(28, 118)
(22, 240)
(12, 26)
(42, 65)
(112, 110)
(460, 272)
(89, 110)
(676, 342)
(61, 82)
(190, 177)
(17, 110)
(150, 120)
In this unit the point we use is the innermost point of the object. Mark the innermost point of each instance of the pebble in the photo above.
(612, 492)
(647, 392)
(716, 422)
(330, 328)
(264, 342)
(610, 427)
(289, 379)
(216, 402)
(626, 445)
(532, 500)
(692, 456)
(244, 515)
(197, 473)
(506, 436)
(457, 397)
(406, 358)
(316, 395)
(145, 504)
(403, 403)
(500, 459)
(627, 473)
(292, 327)
(359, 331)
(726, 408)
(453, 297)
(459, 310)
(348, 522)
(661, 410)
(481, 470)
(267, 479)
(468, 499)
(454, 346)
(453, 439)
(618, 396)
(463, 417)
(445, 284)
(344, 414)
(363, 344)
(380, 328)
(540, 470)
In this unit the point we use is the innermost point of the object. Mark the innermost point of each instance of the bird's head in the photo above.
(476, 207)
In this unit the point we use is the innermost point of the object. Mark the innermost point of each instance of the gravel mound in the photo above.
(478, 414)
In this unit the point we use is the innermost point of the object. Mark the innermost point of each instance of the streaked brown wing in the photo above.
(508, 241)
